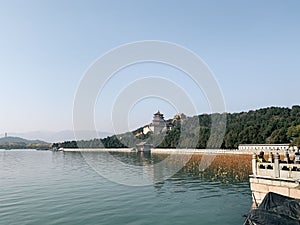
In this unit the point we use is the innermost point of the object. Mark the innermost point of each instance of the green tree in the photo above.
(293, 134)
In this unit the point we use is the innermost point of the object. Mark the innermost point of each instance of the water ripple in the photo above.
(60, 188)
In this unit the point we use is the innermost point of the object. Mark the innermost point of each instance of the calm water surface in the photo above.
(45, 188)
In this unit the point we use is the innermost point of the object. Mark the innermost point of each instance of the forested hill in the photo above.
(21, 143)
(268, 125)
(263, 126)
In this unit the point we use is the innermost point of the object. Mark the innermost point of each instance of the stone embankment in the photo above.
(275, 175)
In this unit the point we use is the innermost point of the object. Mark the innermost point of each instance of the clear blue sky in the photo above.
(252, 47)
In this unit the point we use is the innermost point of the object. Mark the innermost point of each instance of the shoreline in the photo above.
(164, 151)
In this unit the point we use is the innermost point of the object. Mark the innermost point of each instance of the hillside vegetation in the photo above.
(21, 143)
(269, 125)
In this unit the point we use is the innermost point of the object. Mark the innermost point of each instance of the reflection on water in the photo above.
(61, 188)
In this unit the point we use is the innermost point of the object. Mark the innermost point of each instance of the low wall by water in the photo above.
(282, 177)
(162, 150)
(261, 186)
(97, 149)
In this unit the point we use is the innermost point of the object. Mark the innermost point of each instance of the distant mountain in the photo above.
(20, 140)
(66, 135)
(21, 143)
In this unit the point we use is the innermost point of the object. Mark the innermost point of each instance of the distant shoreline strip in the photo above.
(163, 151)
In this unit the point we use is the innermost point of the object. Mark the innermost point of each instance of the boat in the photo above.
(55, 149)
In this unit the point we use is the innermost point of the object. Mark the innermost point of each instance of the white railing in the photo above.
(275, 169)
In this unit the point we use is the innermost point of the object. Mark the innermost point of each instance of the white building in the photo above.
(158, 124)
(147, 129)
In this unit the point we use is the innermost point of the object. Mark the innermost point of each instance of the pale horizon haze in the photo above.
(251, 47)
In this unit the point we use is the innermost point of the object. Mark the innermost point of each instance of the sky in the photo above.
(46, 47)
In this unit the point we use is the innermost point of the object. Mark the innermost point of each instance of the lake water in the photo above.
(45, 188)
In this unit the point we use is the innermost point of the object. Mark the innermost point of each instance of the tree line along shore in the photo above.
(273, 125)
